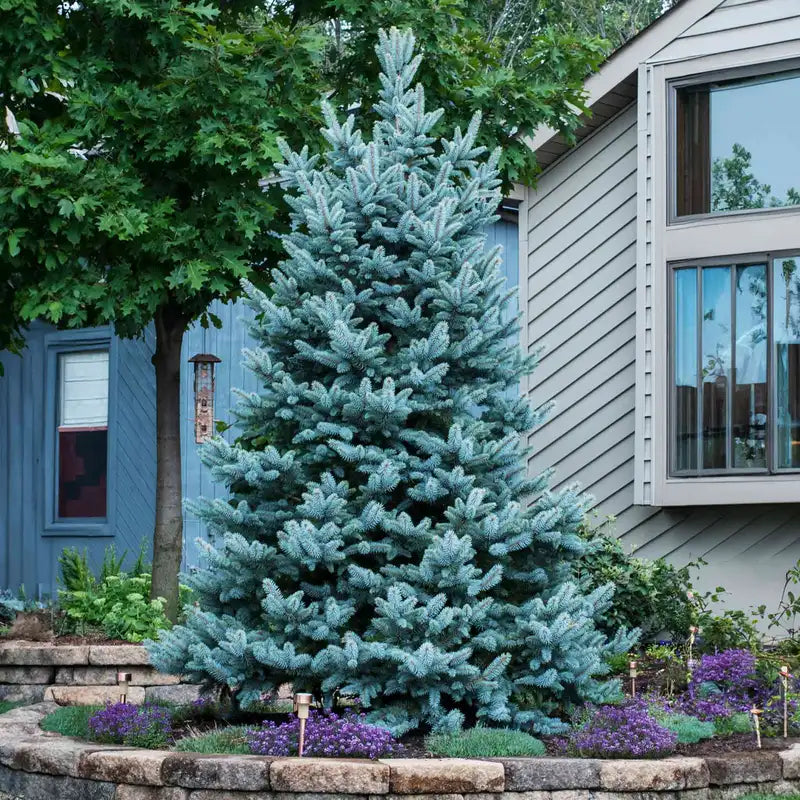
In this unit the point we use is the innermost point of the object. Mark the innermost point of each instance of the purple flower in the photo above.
(625, 731)
(138, 726)
(327, 734)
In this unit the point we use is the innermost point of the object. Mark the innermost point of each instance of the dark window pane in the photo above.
(750, 404)
(82, 469)
(786, 323)
(730, 154)
(716, 364)
(693, 167)
(685, 369)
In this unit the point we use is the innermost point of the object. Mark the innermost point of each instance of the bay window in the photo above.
(735, 366)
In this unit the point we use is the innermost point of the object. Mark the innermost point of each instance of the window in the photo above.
(736, 145)
(82, 442)
(735, 367)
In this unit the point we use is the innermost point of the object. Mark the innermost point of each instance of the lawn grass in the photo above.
(484, 742)
(7, 705)
(759, 796)
(223, 740)
(70, 720)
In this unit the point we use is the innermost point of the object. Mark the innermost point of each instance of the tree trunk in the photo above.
(168, 535)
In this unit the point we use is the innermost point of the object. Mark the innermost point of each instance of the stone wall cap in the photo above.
(123, 655)
(329, 775)
(124, 765)
(216, 771)
(444, 776)
(27, 654)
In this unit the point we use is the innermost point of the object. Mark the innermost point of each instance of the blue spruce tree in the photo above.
(378, 541)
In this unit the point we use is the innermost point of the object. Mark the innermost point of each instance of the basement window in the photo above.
(736, 145)
(82, 441)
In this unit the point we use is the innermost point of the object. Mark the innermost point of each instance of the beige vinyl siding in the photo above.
(736, 25)
(579, 296)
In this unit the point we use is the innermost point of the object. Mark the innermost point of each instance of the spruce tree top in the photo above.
(375, 544)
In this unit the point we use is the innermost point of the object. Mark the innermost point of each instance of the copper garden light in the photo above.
(302, 705)
(204, 395)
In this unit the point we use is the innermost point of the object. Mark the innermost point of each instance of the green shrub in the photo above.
(6, 705)
(223, 740)
(70, 720)
(650, 595)
(689, 730)
(484, 742)
(736, 723)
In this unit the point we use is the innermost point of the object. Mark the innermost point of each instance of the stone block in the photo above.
(50, 787)
(27, 675)
(542, 774)
(18, 655)
(329, 775)
(51, 755)
(567, 794)
(431, 797)
(444, 776)
(631, 775)
(181, 694)
(737, 768)
(118, 655)
(235, 772)
(217, 794)
(107, 676)
(790, 762)
(786, 788)
(92, 695)
(25, 715)
(142, 767)
(22, 693)
(128, 792)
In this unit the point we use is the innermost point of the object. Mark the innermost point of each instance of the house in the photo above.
(77, 435)
(658, 277)
(659, 272)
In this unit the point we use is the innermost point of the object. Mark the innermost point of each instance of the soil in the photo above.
(67, 639)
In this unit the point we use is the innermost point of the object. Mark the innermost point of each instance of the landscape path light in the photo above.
(302, 705)
(633, 673)
(123, 679)
(785, 675)
(756, 714)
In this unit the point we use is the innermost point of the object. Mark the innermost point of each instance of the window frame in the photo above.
(751, 71)
(57, 344)
(772, 468)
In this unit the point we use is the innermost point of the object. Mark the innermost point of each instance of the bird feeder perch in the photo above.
(204, 395)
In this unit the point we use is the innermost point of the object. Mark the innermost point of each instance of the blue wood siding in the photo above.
(29, 557)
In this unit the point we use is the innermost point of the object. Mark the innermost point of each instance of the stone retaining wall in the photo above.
(83, 675)
(35, 765)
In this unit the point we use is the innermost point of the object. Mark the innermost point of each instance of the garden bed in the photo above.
(35, 763)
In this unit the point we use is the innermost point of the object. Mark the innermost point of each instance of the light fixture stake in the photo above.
(785, 692)
(302, 704)
(756, 714)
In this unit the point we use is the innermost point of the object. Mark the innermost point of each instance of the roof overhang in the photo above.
(614, 86)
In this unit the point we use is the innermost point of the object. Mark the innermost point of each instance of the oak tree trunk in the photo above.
(168, 535)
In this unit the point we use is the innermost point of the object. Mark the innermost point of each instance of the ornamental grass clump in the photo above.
(137, 726)
(327, 735)
(626, 731)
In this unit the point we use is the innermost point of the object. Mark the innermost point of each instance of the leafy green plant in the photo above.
(484, 742)
(230, 740)
(735, 723)
(70, 721)
(117, 603)
(667, 664)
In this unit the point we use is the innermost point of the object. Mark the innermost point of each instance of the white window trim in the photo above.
(659, 244)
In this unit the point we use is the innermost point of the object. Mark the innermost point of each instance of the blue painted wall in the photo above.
(27, 554)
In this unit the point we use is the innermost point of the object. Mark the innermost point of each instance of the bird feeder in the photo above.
(302, 706)
(204, 395)
(123, 680)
